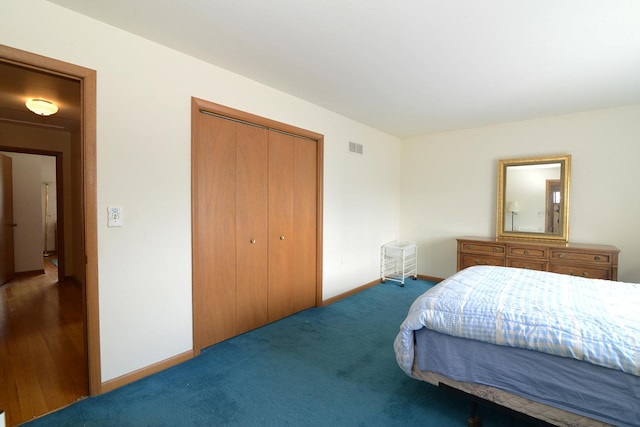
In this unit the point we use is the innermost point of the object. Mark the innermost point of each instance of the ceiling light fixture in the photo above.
(42, 107)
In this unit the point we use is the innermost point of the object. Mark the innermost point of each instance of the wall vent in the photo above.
(354, 147)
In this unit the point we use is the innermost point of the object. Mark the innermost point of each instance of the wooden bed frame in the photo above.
(520, 406)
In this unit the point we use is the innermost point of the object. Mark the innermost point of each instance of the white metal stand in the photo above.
(398, 260)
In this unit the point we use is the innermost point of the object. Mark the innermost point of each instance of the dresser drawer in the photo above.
(469, 260)
(582, 271)
(527, 264)
(578, 259)
(528, 252)
(481, 248)
(593, 258)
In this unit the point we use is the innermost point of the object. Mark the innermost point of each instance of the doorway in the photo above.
(37, 167)
(83, 161)
(552, 217)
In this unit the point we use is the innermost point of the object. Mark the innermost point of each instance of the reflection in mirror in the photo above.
(528, 199)
(533, 198)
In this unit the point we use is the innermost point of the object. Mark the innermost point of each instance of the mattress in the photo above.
(586, 319)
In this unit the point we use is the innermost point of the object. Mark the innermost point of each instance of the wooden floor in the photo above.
(42, 352)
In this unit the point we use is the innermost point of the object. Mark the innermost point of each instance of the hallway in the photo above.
(42, 351)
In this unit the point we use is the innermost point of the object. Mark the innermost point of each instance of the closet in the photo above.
(256, 220)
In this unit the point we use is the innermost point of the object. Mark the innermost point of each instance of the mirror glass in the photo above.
(533, 198)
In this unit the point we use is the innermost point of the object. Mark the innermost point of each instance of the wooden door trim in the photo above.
(551, 186)
(7, 267)
(60, 219)
(319, 228)
(198, 105)
(87, 79)
(249, 118)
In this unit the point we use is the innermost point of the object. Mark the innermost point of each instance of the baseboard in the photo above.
(336, 298)
(349, 293)
(430, 278)
(145, 372)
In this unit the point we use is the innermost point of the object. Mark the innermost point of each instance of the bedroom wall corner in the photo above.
(453, 193)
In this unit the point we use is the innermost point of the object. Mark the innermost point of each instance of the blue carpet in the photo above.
(330, 366)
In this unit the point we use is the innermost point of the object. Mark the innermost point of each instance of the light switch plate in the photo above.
(115, 216)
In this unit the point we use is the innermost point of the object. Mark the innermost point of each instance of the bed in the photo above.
(559, 348)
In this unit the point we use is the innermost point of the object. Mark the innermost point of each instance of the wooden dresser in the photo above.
(577, 259)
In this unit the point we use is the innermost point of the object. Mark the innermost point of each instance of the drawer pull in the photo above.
(561, 255)
(253, 241)
(495, 249)
(281, 237)
(596, 258)
(526, 251)
(585, 274)
(468, 246)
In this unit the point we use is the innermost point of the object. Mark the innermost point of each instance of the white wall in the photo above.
(450, 183)
(143, 165)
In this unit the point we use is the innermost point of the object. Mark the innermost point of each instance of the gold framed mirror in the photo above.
(533, 198)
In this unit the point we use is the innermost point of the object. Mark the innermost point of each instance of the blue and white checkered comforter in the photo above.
(597, 321)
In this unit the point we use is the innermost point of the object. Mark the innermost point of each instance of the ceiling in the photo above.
(18, 84)
(408, 67)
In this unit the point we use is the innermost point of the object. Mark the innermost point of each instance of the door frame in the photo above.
(552, 186)
(7, 271)
(87, 80)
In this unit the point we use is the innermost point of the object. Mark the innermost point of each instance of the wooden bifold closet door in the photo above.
(292, 224)
(254, 193)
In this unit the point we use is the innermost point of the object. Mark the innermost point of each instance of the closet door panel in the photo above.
(304, 223)
(214, 216)
(251, 226)
(280, 230)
